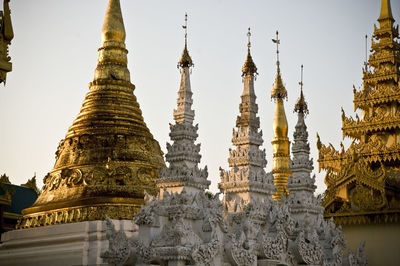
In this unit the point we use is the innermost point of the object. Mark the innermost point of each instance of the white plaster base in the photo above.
(67, 244)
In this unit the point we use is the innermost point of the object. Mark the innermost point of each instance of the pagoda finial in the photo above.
(249, 68)
(186, 60)
(113, 30)
(366, 53)
(301, 104)
(277, 41)
(279, 90)
(386, 10)
(185, 28)
(248, 39)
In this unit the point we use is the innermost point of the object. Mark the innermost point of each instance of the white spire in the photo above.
(183, 155)
(246, 178)
(301, 185)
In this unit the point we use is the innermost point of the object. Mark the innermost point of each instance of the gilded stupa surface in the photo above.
(108, 157)
(280, 142)
(363, 182)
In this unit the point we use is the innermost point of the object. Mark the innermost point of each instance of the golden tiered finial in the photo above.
(108, 157)
(249, 68)
(301, 104)
(386, 10)
(113, 30)
(279, 90)
(186, 60)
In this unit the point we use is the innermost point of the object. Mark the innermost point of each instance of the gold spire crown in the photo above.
(113, 27)
(249, 68)
(279, 90)
(301, 104)
(386, 10)
(186, 60)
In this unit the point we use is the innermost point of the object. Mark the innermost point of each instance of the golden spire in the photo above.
(186, 60)
(108, 157)
(280, 142)
(249, 68)
(386, 11)
(301, 104)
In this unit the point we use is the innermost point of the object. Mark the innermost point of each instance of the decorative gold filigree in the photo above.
(367, 199)
(78, 214)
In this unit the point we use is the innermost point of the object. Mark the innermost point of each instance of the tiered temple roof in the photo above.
(363, 181)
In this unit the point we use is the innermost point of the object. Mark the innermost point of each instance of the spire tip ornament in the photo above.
(279, 90)
(113, 30)
(249, 68)
(277, 41)
(301, 104)
(186, 60)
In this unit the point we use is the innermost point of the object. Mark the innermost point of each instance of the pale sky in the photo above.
(54, 55)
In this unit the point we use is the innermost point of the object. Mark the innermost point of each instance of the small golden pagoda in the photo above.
(108, 157)
(280, 142)
(363, 182)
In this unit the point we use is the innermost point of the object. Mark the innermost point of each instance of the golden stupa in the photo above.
(108, 157)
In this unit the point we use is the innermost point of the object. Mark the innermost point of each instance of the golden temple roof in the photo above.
(108, 157)
(362, 179)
